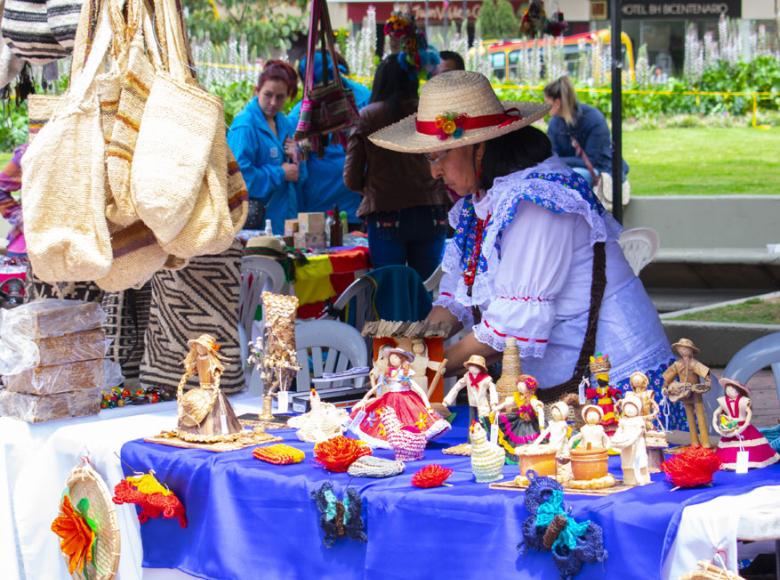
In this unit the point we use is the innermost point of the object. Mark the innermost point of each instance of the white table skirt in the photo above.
(35, 461)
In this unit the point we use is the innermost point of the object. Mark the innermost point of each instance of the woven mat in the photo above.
(253, 420)
(463, 449)
(514, 486)
(246, 439)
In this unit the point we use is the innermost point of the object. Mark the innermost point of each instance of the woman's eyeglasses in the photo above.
(436, 157)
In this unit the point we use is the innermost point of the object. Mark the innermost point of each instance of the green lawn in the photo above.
(4, 157)
(754, 311)
(707, 161)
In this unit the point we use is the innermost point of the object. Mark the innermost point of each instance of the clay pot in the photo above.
(539, 458)
(587, 464)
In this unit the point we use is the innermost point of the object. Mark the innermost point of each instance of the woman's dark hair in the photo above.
(278, 70)
(453, 56)
(393, 85)
(512, 152)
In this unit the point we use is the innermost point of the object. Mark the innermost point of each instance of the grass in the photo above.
(703, 161)
(4, 158)
(753, 311)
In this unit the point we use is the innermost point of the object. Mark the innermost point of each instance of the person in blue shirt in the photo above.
(583, 123)
(324, 188)
(261, 140)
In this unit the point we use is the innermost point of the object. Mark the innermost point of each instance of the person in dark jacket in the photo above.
(404, 206)
(573, 121)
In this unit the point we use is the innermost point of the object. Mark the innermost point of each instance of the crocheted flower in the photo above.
(76, 532)
(279, 454)
(693, 467)
(431, 476)
(338, 453)
(450, 125)
(154, 499)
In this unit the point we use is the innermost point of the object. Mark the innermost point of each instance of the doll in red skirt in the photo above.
(732, 420)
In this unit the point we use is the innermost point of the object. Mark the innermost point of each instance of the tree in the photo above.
(266, 24)
(497, 19)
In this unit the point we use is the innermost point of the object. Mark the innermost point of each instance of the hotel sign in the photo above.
(680, 9)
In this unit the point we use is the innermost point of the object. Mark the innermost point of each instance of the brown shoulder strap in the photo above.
(597, 287)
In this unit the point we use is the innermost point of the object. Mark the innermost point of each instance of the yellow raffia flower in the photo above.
(449, 127)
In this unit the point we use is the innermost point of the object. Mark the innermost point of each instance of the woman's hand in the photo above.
(291, 150)
(290, 172)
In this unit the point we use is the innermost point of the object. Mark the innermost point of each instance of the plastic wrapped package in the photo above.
(80, 346)
(47, 318)
(40, 408)
(50, 380)
(21, 327)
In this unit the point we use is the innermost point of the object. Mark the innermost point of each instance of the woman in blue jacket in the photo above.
(261, 140)
(572, 121)
(324, 187)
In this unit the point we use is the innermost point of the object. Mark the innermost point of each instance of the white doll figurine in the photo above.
(592, 432)
(630, 440)
(481, 389)
(422, 363)
(557, 431)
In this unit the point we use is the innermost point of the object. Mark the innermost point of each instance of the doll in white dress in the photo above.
(592, 432)
(630, 440)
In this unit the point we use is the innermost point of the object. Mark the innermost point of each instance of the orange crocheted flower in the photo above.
(76, 536)
(338, 453)
(431, 476)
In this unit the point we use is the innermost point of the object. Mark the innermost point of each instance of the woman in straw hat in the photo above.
(534, 256)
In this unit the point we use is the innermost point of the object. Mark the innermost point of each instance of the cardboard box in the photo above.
(311, 223)
(40, 408)
(70, 348)
(312, 241)
(290, 227)
(52, 380)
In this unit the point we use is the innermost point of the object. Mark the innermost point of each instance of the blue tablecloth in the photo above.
(251, 519)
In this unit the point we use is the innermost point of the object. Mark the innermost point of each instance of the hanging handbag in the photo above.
(63, 192)
(330, 106)
(30, 34)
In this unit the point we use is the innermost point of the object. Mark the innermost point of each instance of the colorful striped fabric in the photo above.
(31, 35)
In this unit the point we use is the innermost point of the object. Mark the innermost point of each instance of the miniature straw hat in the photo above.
(476, 360)
(400, 352)
(631, 399)
(724, 382)
(639, 379)
(206, 341)
(588, 408)
(685, 342)
(464, 99)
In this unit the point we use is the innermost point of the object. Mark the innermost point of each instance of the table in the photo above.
(35, 460)
(462, 532)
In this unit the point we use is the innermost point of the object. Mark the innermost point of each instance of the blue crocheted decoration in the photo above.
(577, 543)
(340, 518)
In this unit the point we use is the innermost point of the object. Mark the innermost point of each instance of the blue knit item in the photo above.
(577, 544)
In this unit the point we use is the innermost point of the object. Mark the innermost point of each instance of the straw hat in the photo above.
(588, 408)
(475, 360)
(639, 380)
(631, 399)
(456, 109)
(724, 382)
(400, 352)
(685, 342)
(206, 341)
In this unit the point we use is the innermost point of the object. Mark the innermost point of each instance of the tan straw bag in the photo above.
(175, 140)
(63, 193)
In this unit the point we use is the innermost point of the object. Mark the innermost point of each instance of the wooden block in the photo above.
(40, 408)
(70, 348)
(48, 318)
(311, 223)
(49, 380)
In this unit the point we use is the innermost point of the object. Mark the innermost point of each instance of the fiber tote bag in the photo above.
(63, 192)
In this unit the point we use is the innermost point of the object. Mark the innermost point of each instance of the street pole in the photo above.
(426, 19)
(617, 112)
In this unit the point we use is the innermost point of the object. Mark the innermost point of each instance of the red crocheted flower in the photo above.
(153, 505)
(693, 467)
(338, 453)
(431, 476)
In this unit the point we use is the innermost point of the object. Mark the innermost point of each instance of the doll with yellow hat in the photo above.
(603, 394)
(686, 380)
(483, 396)
(205, 414)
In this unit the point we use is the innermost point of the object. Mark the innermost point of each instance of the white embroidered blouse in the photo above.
(533, 279)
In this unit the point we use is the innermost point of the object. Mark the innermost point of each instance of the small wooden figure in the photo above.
(592, 433)
(650, 410)
(687, 380)
(630, 440)
(557, 431)
(603, 394)
(422, 363)
(732, 420)
(481, 389)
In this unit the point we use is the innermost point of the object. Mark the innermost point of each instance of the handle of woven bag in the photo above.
(148, 32)
(327, 32)
(97, 52)
(178, 65)
(311, 49)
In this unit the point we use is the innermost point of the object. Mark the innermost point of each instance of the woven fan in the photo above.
(87, 509)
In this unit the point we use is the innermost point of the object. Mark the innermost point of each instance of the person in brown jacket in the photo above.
(404, 206)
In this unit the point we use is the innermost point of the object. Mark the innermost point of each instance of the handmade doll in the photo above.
(404, 395)
(630, 440)
(205, 414)
(521, 425)
(687, 380)
(603, 395)
(557, 432)
(650, 409)
(481, 389)
(422, 363)
(732, 420)
(592, 432)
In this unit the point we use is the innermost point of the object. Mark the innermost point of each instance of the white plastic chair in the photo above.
(328, 346)
(358, 301)
(639, 245)
(258, 274)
